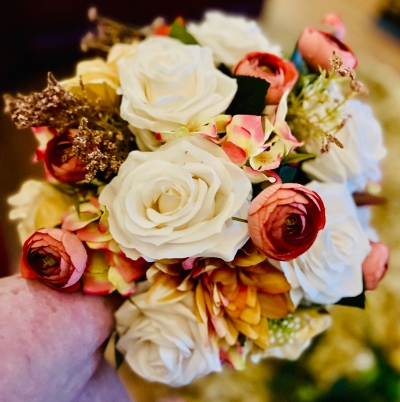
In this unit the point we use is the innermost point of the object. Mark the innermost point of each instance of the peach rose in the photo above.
(54, 256)
(317, 47)
(281, 74)
(284, 220)
(60, 163)
(375, 265)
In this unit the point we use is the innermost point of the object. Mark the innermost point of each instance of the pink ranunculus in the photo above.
(281, 74)
(54, 256)
(60, 163)
(284, 220)
(375, 265)
(317, 47)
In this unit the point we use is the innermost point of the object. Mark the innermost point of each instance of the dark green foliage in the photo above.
(250, 96)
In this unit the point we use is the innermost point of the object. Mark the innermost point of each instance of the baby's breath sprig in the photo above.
(284, 330)
(315, 111)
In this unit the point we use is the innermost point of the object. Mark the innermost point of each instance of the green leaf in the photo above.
(356, 301)
(179, 32)
(287, 173)
(224, 69)
(119, 357)
(295, 157)
(250, 96)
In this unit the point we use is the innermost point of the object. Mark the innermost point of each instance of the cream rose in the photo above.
(164, 343)
(332, 267)
(231, 37)
(178, 202)
(358, 160)
(167, 84)
(37, 205)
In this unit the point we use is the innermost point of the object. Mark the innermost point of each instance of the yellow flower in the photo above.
(231, 298)
(100, 81)
(37, 205)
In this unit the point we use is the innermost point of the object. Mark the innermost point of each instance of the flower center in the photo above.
(169, 200)
(291, 224)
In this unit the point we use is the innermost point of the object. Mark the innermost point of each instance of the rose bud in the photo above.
(375, 265)
(54, 256)
(281, 74)
(317, 47)
(60, 162)
(284, 220)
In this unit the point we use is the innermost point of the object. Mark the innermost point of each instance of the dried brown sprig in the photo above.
(328, 140)
(108, 33)
(338, 66)
(101, 150)
(53, 107)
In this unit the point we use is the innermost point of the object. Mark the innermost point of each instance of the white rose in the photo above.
(332, 267)
(358, 161)
(37, 205)
(231, 37)
(163, 343)
(167, 84)
(178, 202)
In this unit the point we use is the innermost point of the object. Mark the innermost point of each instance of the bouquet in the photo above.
(222, 189)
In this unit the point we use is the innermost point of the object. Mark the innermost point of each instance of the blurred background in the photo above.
(358, 359)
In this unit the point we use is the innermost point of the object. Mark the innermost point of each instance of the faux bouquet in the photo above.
(222, 189)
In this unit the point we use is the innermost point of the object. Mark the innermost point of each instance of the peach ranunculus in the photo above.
(56, 257)
(375, 265)
(284, 220)
(317, 48)
(60, 162)
(281, 74)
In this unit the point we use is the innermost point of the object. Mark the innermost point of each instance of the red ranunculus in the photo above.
(284, 220)
(54, 256)
(375, 265)
(317, 47)
(60, 163)
(281, 74)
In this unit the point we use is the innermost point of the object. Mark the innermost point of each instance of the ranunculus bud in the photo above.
(281, 74)
(317, 47)
(54, 256)
(59, 161)
(375, 265)
(284, 220)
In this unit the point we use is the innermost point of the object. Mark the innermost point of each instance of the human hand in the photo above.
(50, 345)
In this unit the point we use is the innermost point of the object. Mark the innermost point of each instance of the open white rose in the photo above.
(231, 37)
(178, 201)
(163, 343)
(358, 160)
(167, 84)
(332, 268)
(37, 205)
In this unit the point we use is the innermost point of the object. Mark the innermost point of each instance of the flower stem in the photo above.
(239, 219)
